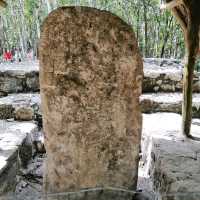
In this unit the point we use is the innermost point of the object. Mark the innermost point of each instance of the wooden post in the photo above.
(3, 3)
(192, 44)
(187, 94)
(188, 15)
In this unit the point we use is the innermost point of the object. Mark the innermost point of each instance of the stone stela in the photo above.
(91, 80)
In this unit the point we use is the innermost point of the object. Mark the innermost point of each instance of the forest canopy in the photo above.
(157, 32)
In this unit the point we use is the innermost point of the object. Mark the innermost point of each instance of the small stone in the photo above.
(159, 82)
(156, 88)
(196, 86)
(167, 87)
(143, 196)
(24, 184)
(24, 114)
(148, 105)
(3, 93)
(10, 120)
(39, 147)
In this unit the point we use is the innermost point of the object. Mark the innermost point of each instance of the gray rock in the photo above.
(9, 104)
(175, 168)
(3, 93)
(165, 75)
(12, 136)
(167, 102)
(38, 142)
(170, 160)
(19, 77)
(24, 114)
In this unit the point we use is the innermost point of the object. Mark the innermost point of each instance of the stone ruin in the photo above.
(91, 80)
(169, 164)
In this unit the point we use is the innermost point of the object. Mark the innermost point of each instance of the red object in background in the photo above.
(7, 56)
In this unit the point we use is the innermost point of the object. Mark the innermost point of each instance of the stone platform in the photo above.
(150, 103)
(19, 77)
(167, 102)
(15, 140)
(165, 75)
(169, 160)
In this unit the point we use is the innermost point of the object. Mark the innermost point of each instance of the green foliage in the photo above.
(157, 32)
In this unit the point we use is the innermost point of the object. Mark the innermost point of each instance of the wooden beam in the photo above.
(181, 19)
(171, 4)
(3, 3)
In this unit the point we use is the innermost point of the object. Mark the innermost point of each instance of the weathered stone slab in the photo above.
(169, 160)
(12, 137)
(91, 74)
(176, 168)
(168, 102)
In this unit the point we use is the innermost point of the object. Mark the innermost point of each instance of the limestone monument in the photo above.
(90, 79)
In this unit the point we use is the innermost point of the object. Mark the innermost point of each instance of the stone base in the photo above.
(175, 169)
(170, 160)
(99, 194)
(96, 194)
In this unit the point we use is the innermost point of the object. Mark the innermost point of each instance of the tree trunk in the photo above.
(145, 31)
(192, 43)
(168, 23)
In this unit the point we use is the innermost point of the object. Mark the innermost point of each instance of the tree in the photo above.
(158, 33)
(188, 15)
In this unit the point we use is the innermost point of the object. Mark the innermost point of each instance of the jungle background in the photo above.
(157, 32)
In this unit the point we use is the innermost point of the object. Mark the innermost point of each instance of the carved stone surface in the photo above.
(91, 79)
